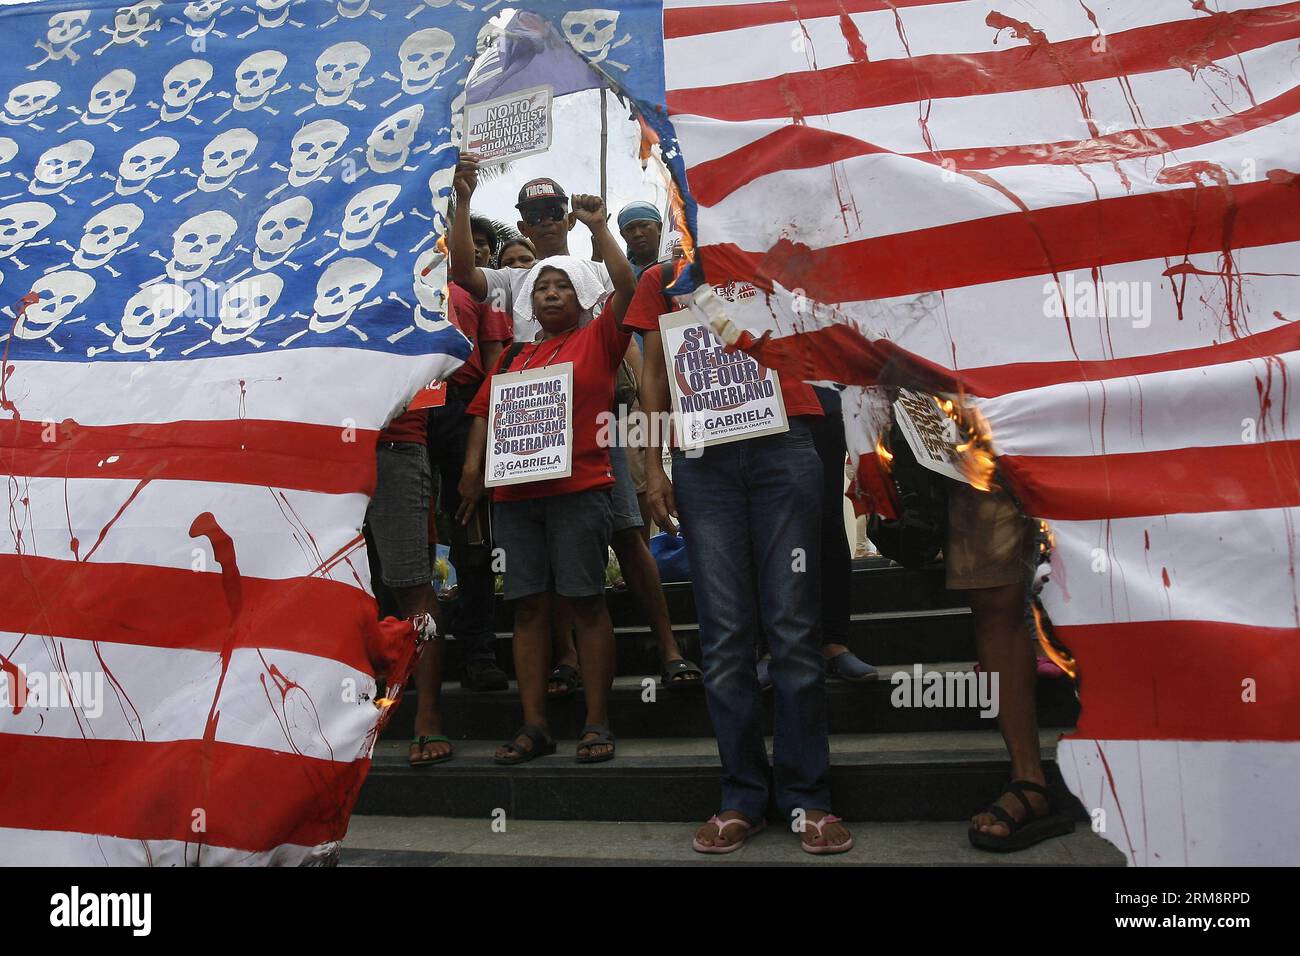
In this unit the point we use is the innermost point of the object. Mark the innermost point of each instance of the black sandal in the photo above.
(673, 671)
(543, 746)
(603, 736)
(567, 675)
(1034, 828)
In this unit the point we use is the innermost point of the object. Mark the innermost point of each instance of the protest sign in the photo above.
(530, 428)
(931, 434)
(510, 127)
(433, 395)
(719, 395)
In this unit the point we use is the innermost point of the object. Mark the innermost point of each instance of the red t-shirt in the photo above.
(408, 426)
(649, 303)
(595, 350)
(479, 323)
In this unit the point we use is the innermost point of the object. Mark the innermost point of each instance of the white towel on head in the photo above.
(586, 277)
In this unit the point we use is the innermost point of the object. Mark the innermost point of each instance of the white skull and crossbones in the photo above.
(29, 101)
(389, 143)
(65, 30)
(56, 294)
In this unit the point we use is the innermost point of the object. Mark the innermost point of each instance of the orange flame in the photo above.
(977, 461)
(1065, 663)
(884, 454)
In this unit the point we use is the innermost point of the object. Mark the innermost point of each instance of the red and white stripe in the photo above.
(946, 188)
(190, 532)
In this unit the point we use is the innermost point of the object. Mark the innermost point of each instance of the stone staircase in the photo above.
(891, 766)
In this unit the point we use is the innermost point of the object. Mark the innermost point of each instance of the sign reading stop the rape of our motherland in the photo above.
(530, 429)
(719, 394)
(510, 127)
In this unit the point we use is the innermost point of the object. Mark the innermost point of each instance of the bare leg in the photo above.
(1002, 642)
(596, 647)
(642, 577)
(532, 653)
(562, 649)
(428, 669)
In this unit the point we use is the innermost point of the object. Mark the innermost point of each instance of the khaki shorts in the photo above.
(990, 543)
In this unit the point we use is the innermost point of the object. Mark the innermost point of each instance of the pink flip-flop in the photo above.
(825, 848)
(751, 829)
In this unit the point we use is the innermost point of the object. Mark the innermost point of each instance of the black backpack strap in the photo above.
(512, 353)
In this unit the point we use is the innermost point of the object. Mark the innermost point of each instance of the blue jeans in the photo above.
(751, 516)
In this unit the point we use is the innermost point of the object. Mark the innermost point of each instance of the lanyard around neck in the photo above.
(556, 351)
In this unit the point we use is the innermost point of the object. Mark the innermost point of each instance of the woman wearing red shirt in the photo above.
(555, 532)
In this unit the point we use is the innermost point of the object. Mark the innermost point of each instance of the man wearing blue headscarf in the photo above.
(641, 226)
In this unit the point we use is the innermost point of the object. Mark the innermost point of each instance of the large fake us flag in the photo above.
(1085, 215)
(220, 276)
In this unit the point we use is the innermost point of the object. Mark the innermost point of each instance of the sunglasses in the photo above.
(554, 213)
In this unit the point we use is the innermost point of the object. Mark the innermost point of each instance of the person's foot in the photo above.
(677, 670)
(523, 744)
(832, 836)
(482, 674)
(429, 750)
(711, 835)
(593, 751)
(844, 664)
(565, 679)
(988, 823)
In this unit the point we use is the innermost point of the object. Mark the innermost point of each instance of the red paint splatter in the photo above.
(20, 307)
(1202, 174)
(792, 102)
(1110, 778)
(103, 532)
(17, 683)
(1038, 43)
(989, 181)
(857, 48)
(223, 551)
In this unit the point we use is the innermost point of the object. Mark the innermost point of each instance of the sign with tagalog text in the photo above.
(530, 425)
(719, 395)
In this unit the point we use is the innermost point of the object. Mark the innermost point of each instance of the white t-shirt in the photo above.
(503, 284)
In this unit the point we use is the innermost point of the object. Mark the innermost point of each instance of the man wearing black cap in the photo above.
(545, 221)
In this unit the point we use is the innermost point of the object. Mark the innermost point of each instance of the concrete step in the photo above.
(851, 709)
(447, 841)
(928, 634)
(935, 776)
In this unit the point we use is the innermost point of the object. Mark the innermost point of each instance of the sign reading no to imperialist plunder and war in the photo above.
(530, 431)
(510, 127)
(719, 395)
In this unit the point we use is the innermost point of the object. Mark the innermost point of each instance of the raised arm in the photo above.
(590, 211)
(460, 246)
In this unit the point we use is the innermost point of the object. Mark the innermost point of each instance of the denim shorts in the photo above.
(399, 514)
(627, 510)
(558, 543)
